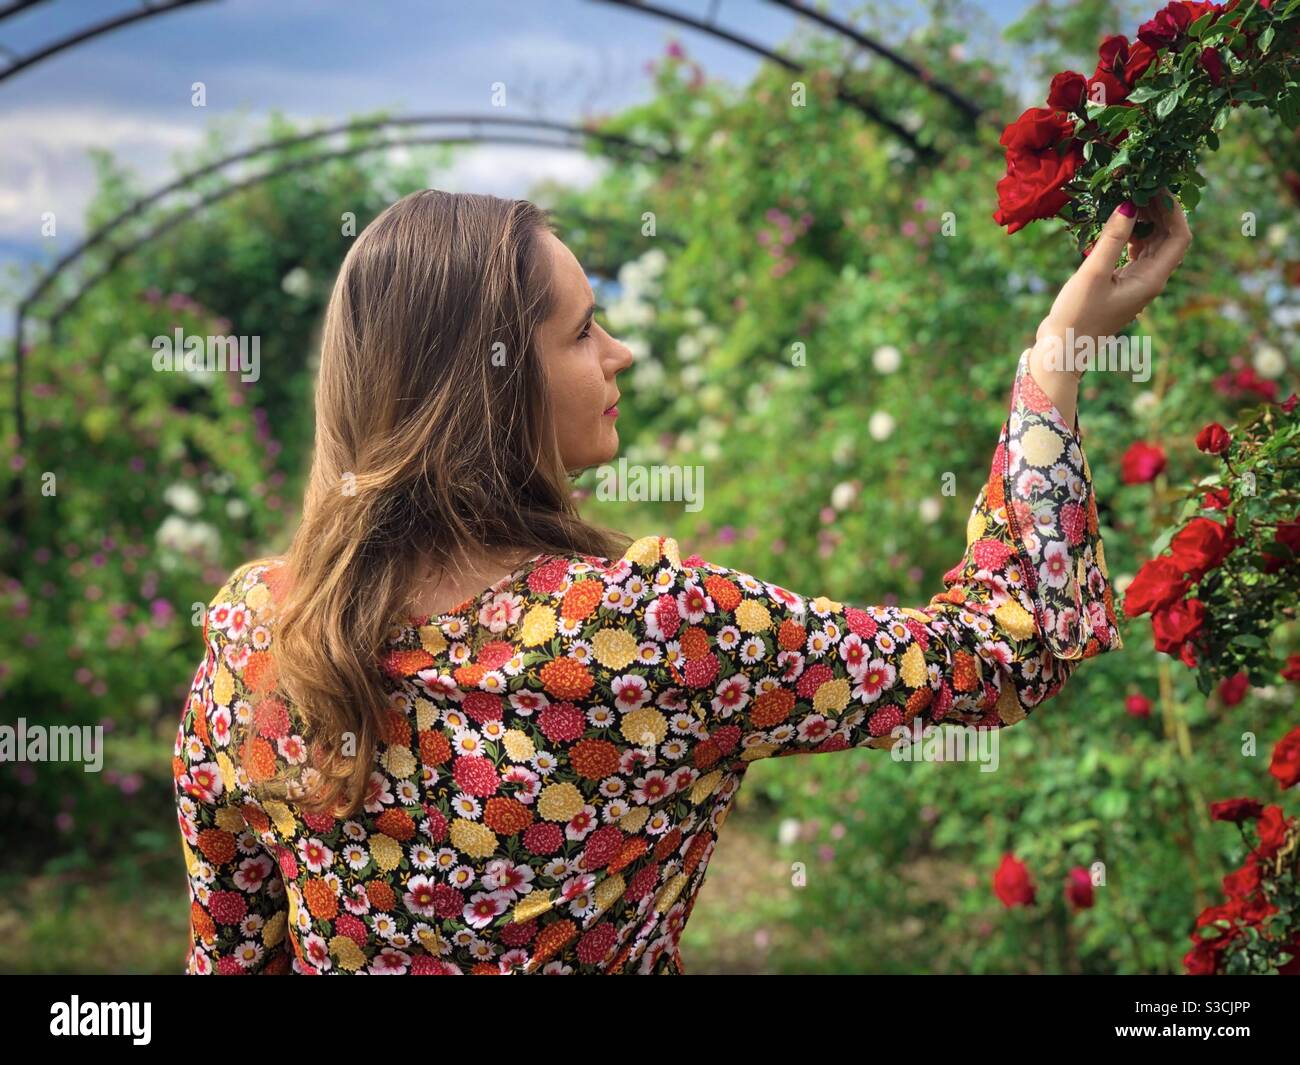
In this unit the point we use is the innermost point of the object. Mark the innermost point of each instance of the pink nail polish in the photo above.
(1128, 209)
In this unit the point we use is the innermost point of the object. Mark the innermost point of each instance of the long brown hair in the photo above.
(433, 438)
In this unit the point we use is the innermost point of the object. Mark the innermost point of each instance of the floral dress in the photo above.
(560, 753)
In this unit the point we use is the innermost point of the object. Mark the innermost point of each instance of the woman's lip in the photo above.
(612, 411)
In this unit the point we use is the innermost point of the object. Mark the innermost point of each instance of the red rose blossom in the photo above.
(1012, 883)
(1138, 705)
(1213, 439)
(1201, 546)
(1291, 671)
(1078, 888)
(1067, 91)
(1157, 584)
(1233, 689)
(1285, 765)
(1236, 810)
(1035, 169)
(1175, 624)
(1142, 462)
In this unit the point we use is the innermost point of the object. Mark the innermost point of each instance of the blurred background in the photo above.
(739, 179)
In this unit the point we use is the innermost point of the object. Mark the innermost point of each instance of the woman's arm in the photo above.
(1100, 300)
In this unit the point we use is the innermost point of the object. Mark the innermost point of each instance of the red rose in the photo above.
(1035, 169)
(1012, 883)
(1201, 546)
(1212, 63)
(1078, 888)
(1175, 624)
(1171, 22)
(1067, 91)
(1286, 759)
(1243, 883)
(1216, 499)
(1233, 689)
(1236, 810)
(1272, 826)
(1138, 705)
(1291, 671)
(1289, 403)
(1114, 90)
(1112, 53)
(1141, 463)
(1157, 584)
(1140, 56)
(1213, 439)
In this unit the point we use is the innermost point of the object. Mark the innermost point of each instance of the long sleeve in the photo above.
(238, 906)
(762, 671)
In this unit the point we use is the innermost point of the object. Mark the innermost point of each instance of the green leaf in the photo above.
(1142, 94)
(1197, 28)
(1212, 141)
(1266, 39)
(1190, 195)
(1168, 102)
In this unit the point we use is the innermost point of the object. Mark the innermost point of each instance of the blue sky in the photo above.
(129, 91)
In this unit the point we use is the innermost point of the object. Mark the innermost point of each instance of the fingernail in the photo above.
(1128, 209)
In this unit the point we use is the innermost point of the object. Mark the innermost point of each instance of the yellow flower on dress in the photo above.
(753, 616)
(1041, 446)
(644, 727)
(538, 626)
(279, 813)
(911, 667)
(432, 639)
(399, 761)
(608, 892)
(644, 552)
(386, 851)
(223, 687)
(832, 697)
(1015, 619)
(349, 955)
(559, 802)
(706, 786)
(614, 648)
(475, 840)
(517, 745)
(273, 931)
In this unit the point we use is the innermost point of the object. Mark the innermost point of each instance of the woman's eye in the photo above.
(586, 332)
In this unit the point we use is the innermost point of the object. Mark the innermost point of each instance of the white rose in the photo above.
(881, 425)
(930, 509)
(887, 359)
(183, 499)
(1269, 361)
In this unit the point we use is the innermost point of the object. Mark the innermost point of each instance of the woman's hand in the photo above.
(1100, 300)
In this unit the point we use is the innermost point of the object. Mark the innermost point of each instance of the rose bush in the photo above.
(1149, 110)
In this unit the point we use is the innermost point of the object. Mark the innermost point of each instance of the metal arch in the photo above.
(167, 224)
(368, 125)
(968, 107)
(617, 141)
(868, 109)
(107, 26)
(16, 6)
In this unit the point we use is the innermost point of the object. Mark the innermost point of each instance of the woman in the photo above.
(456, 729)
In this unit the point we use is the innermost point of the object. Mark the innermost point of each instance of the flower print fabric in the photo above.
(560, 753)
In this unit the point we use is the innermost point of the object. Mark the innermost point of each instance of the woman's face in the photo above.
(581, 361)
